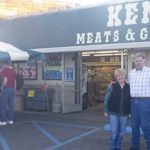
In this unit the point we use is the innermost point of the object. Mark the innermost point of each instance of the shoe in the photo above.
(10, 122)
(2, 123)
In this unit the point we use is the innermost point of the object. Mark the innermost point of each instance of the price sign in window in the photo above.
(28, 70)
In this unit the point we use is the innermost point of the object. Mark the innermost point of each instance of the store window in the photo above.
(52, 69)
(28, 70)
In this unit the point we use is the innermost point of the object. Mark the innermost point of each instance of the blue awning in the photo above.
(121, 25)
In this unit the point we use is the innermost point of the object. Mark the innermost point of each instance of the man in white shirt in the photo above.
(139, 79)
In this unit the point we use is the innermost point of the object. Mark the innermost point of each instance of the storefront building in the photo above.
(77, 39)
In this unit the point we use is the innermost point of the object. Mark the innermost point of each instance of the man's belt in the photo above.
(141, 98)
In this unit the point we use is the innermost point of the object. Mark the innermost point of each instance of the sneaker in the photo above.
(10, 122)
(2, 123)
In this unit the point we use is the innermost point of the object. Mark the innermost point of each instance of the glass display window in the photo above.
(28, 70)
(52, 68)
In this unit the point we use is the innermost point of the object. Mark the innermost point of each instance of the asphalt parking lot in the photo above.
(48, 131)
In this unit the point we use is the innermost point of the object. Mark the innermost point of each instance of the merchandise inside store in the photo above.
(99, 68)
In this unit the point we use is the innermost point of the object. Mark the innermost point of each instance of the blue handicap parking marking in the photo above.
(57, 134)
(4, 143)
(67, 125)
(46, 133)
(73, 139)
(50, 136)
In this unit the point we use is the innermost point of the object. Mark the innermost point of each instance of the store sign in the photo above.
(127, 22)
(111, 26)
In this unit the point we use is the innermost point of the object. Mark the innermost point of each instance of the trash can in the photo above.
(37, 99)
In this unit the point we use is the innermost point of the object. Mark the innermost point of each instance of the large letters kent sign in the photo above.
(109, 26)
(120, 23)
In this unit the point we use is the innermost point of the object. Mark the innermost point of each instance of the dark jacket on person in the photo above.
(1, 81)
(119, 100)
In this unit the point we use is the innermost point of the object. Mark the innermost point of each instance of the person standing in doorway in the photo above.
(8, 92)
(139, 80)
(117, 108)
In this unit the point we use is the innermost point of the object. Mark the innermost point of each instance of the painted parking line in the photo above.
(74, 139)
(50, 136)
(55, 123)
(3, 142)
(59, 144)
(67, 125)
(47, 134)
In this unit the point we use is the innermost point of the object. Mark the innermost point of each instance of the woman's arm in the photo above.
(106, 99)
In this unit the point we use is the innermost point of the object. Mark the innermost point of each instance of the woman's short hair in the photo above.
(119, 71)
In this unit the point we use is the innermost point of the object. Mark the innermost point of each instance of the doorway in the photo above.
(100, 66)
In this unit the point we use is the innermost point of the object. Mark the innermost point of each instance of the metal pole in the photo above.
(122, 59)
(46, 90)
(63, 82)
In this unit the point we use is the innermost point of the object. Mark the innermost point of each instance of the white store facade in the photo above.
(63, 36)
